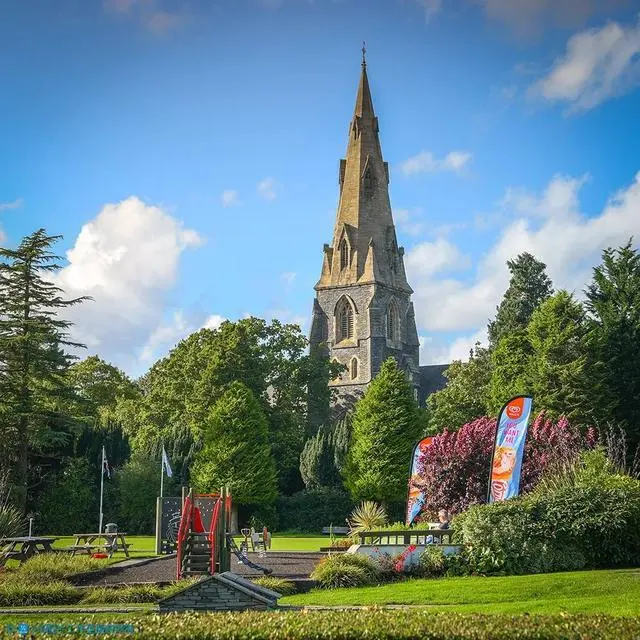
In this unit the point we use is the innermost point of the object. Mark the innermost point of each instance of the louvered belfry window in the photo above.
(345, 321)
(344, 254)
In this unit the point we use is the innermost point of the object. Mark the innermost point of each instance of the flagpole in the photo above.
(101, 490)
(162, 471)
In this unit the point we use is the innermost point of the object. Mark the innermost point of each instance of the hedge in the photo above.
(369, 624)
(309, 511)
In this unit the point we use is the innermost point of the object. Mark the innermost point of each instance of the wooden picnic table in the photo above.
(86, 542)
(22, 548)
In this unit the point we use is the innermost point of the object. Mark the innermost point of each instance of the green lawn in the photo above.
(613, 592)
(296, 542)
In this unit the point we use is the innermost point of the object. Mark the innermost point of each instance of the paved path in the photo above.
(295, 565)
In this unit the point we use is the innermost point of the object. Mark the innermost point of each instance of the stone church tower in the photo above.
(363, 313)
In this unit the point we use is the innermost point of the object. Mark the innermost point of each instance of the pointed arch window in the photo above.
(393, 322)
(354, 368)
(344, 254)
(344, 320)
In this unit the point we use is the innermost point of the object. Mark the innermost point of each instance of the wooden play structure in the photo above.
(204, 543)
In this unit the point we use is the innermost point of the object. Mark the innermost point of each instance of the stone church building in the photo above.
(362, 312)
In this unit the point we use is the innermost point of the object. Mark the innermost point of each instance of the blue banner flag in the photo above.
(508, 451)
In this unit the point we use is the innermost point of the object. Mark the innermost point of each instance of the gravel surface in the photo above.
(284, 565)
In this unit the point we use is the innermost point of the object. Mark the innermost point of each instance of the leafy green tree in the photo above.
(556, 335)
(236, 451)
(70, 502)
(528, 287)
(180, 390)
(510, 369)
(100, 386)
(386, 426)
(465, 397)
(138, 483)
(33, 363)
(101, 383)
(613, 341)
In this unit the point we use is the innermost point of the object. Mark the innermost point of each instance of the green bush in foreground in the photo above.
(51, 567)
(23, 594)
(346, 570)
(280, 585)
(369, 624)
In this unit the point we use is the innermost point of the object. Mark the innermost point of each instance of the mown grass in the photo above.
(361, 625)
(611, 592)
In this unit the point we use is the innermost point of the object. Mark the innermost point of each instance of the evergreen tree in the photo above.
(556, 335)
(324, 455)
(465, 397)
(236, 451)
(510, 369)
(386, 426)
(528, 287)
(317, 466)
(33, 364)
(613, 341)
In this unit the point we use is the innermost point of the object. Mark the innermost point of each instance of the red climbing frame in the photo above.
(191, 521)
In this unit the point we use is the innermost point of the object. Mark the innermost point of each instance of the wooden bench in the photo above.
(94, 548)
(337, 530)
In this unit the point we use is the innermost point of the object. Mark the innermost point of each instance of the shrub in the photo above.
(433, 562)
(589, 519)
(346, 570)
(405, 624)
(139, 593)
(20, 593)
(280, 585)
(11, 521)
(309, 511)
(455, 468)
(367, 516)
(52, 567)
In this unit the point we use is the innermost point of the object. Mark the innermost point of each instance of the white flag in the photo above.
(105, 464)
(165, 463)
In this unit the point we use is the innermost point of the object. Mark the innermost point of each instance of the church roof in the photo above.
(431, 380)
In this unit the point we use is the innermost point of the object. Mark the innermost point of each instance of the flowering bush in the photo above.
(455, 468)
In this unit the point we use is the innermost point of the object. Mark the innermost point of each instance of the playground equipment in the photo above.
(204, 543)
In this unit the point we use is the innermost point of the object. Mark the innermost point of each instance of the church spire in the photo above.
(364, 103)
(364, 235)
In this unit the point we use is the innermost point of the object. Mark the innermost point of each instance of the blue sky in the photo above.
(188, 151)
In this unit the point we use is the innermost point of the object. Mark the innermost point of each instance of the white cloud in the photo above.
(8, 206)
(148, 14)
(528, 17)
(286, 316)
(456, 160)
(426, 162)
(550, 226)
(266, 189)
(288, 278)
(598, 64)
(431, 8)
(127, 258)
(429, 258)
(230, 198)
(213, 322)
(165, 336)
(405, 219)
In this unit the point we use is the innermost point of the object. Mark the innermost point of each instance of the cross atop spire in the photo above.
(364, 54)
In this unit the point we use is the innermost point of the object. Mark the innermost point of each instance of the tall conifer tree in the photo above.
(386, 426)
(33, 362)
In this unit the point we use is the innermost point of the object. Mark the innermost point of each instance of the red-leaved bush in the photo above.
(455, 468)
